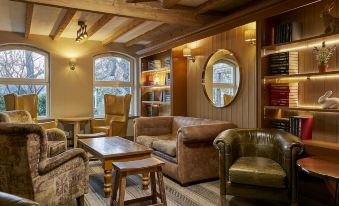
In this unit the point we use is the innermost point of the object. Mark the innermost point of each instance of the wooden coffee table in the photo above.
(115, 149)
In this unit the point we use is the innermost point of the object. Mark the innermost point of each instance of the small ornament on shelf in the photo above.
(323, 55)
(331, 22)
(328, 103)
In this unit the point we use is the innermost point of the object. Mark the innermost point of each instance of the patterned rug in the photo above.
(203, 194)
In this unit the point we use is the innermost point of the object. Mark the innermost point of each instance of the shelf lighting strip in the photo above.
(300, 78)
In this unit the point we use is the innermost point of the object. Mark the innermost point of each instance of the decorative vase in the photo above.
(322, 67)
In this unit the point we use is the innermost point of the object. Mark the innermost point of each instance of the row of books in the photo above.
(286, 32)
(300, 126)
(284, 63)
(284, 94)
(152, 110)
(167, 62)
(155, 64)
(162, 96)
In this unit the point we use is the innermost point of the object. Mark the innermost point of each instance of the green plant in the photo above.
(323, 54)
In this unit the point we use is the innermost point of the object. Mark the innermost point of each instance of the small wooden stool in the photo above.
(149, 165)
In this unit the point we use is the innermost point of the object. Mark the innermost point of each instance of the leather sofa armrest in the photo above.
(9, 199)
(152, 125)
(286, 142)
(50, 164)
(203, 133)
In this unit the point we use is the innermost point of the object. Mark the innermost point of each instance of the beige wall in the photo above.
(71, 92)
(243, 110)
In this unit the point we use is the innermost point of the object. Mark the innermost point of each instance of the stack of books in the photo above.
(281, 124)
(284, 63)
(152, 110)
(167, 96)
(301, 126)
(168, 79)
(286, 32)
(167, 62)
(155, 64)
(284, 94)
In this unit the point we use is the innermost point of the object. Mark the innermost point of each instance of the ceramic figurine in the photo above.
(328, 103)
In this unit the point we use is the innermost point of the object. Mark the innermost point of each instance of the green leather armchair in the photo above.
(258, 163)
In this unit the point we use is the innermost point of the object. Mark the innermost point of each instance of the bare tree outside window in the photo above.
(23, 72)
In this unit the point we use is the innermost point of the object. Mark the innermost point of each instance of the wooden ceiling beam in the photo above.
(122, 30)
(64, 23)
(99, 24)
(29, 15)
(208, 5)
(169, 3)
(147, 35)
(147, 11)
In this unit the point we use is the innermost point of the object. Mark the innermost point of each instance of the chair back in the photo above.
(22, 147)
(16, 116)
(28, 102)
(117, 107)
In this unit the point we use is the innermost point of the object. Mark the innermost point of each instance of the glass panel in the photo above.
(112, 69)
(40, 90)
(99, 93)
(223, 73)
(221, 95)
(22, 64)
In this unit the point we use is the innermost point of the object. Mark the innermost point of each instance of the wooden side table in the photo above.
(76, 121)
(322, 167)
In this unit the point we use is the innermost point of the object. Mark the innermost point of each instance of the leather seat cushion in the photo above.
(56, 147)
(148, 140)
(168, 147)
(257, 171)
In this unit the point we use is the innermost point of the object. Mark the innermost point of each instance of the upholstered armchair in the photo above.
(13, 200)
(27, 102)
(258, 163)
(116, 116)
(28, 172)
(57, 140)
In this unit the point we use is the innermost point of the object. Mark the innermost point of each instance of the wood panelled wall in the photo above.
(326, 125)
(243, 110)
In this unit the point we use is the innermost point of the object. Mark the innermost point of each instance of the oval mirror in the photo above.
(221, 78)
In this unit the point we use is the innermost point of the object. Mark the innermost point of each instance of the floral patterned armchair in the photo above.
(26, 171)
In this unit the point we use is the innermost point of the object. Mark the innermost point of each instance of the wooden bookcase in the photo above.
(311, 83)
(163, 88)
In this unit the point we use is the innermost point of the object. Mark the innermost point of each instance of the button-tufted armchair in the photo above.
(258, 163)
(26, 171)
(57, 140)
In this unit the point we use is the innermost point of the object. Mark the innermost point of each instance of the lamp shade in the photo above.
(186, 52)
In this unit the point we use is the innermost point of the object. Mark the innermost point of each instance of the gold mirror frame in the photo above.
(221, 55)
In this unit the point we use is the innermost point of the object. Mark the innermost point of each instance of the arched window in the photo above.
(25, 70)
(113, 74)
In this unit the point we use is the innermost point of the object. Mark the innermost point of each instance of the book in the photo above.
(284, 63)
(301, 126)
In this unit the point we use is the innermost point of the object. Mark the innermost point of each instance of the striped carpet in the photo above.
(203, 194)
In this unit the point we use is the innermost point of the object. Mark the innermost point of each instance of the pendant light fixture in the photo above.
(82, 31)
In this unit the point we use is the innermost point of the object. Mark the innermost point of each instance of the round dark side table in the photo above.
(322, 167)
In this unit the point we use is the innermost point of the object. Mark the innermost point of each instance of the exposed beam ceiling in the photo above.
(153, 32)
(64, 23)
(29, 15)
(122, 30)
(209, 5)
(169, 3)
(99, 24)
(152, 12)
(253, 13)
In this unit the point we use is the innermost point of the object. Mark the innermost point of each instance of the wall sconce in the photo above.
(250, 36)
(71, 65)
(187, 53)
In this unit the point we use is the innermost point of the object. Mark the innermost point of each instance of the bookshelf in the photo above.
(163, 83)
(311, 83)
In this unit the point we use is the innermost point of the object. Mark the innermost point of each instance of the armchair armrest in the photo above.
(152, 126)
(48, 124)
(98, 122)
(49, 164)
(286, 142)
(56, 134)
(9, 199)
(203, 133)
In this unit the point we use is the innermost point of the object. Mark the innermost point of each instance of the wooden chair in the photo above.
(149, 165)
(116, 116)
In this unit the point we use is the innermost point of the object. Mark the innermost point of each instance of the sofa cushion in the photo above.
(148, 140)
(168, 147)
(257, 171)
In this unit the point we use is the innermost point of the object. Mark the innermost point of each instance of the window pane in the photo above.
(17, 63)
(219, 93)
(223, 73)
(41, 90)
(99, 93)
(112, 68)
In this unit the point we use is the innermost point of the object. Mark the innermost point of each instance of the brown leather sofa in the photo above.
(258, 163)
(185, 144)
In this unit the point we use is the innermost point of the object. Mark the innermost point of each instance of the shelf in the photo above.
(156, 102)
(302, 77)
(310, 42)
(310, 109)
(161, 70)
(160, 87)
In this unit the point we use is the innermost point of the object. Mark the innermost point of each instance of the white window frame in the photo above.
(116, 83)
(26, 81)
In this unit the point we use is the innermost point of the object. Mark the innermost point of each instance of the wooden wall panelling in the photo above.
(179, 85)
(243, 110)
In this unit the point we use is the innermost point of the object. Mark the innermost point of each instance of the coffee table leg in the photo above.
(145, 182)
(107, 182)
